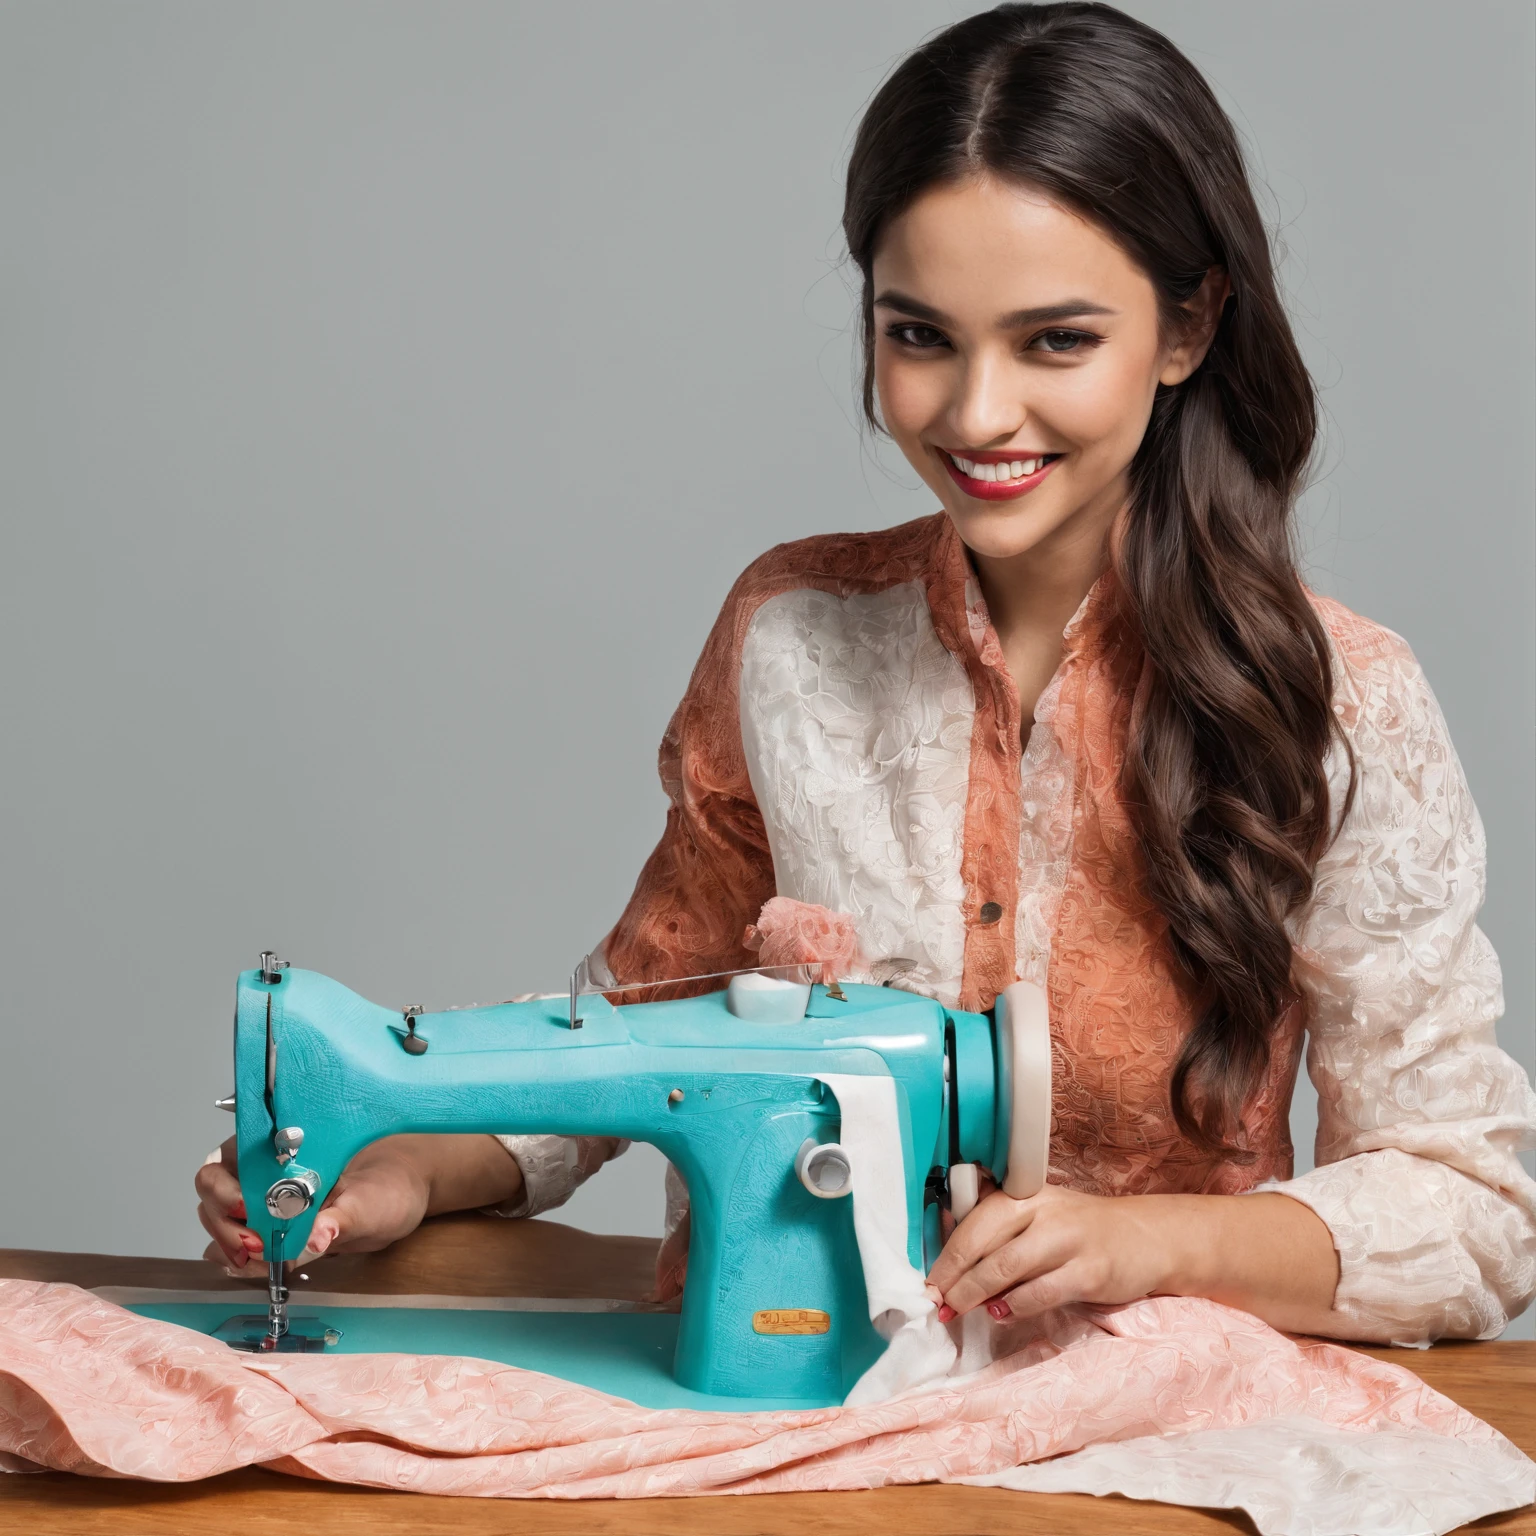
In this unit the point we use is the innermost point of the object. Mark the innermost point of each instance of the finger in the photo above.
(232, 1240)
(221, 1202)
(217, 1185)
(993, 1222)
(1044, 1293)
(1001, 1271)
(327, 1227)
(354, 1219)
(251, 1273)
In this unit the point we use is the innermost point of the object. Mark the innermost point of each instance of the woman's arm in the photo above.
(1418, 1222)
(385, 1192)
(1421, 1117)
(1264, 1254)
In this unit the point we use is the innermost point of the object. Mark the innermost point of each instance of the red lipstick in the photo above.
(991, 490)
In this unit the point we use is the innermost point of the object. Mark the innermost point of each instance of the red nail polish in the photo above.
(999, 1309)
(946, 1312)
(251, 1241)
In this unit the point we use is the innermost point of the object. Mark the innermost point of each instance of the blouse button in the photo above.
(990, 912)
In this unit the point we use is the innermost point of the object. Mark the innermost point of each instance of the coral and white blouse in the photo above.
(851, 738)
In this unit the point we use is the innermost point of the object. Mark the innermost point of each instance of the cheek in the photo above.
(910, 395)
(1104, 408)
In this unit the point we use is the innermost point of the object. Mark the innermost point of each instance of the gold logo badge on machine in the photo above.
(801, 1320)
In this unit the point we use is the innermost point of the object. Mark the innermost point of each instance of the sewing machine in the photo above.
(731, 1086)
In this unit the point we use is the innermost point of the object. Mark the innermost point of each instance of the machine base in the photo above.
(625, 1354)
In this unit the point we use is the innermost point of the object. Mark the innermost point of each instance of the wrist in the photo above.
(407, 1161)
(1189, 1244)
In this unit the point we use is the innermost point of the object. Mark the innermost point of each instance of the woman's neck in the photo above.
(1031, 597)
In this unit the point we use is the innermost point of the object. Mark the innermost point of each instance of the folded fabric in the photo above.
(1177, 1399)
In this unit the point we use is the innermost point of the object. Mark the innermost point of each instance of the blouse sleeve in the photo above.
(1421, 1116)
(553, 1169)
(710, 874)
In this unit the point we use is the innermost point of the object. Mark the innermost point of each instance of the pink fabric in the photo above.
(791, 932)
(88, 1387)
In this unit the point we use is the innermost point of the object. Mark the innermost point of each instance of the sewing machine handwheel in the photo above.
(1024, 1041)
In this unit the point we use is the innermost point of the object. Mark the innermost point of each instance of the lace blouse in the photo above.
(850, 738)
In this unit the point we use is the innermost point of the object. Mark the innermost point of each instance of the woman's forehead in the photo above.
(984, 248)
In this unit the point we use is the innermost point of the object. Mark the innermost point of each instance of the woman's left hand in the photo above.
(1024, 1257)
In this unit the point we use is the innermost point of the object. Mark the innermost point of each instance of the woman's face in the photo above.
(1010, 332)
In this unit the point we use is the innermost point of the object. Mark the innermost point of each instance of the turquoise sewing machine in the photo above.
(728, 1085)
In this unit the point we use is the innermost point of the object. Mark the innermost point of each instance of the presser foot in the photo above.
(251, 1331)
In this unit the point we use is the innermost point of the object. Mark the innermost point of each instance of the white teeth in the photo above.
(1016, 469)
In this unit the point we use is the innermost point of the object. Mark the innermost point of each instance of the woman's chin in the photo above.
(998, 532)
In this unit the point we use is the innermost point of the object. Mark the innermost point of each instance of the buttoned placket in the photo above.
(1039, 817)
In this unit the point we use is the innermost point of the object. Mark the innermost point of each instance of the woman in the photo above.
(1085, 726)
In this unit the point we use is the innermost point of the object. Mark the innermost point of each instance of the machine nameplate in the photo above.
(796, 1320)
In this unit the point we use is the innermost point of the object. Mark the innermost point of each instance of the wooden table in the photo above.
(470, 1256)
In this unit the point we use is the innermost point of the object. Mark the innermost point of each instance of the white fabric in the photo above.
(1297, 1477)
(856, 724)
(918, 1346)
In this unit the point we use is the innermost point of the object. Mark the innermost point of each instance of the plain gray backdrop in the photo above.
(391, 392)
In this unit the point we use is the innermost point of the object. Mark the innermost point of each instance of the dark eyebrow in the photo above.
(1067, 310)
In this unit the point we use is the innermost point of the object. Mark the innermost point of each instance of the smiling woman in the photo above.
(1087, 727)
(1084, 726)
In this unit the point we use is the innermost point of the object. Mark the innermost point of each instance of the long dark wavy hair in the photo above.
(1231, 718)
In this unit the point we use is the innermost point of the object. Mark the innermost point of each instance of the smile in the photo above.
(996, 480)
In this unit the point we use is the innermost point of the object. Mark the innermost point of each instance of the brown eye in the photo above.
(911, 334)
(1062, 341)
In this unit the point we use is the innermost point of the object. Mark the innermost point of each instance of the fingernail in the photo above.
(934, 1294)
(237, 1211)
(999, 1309)
(251, 1241)
(946, 1312)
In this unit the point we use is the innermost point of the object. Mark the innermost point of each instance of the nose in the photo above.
(988, 406)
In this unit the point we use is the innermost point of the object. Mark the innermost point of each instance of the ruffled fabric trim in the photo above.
(797, 933)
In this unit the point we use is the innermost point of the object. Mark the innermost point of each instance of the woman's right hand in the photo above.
(381, 1196)
(221, 1209)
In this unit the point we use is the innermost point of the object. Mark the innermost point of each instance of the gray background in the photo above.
(390, 393)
